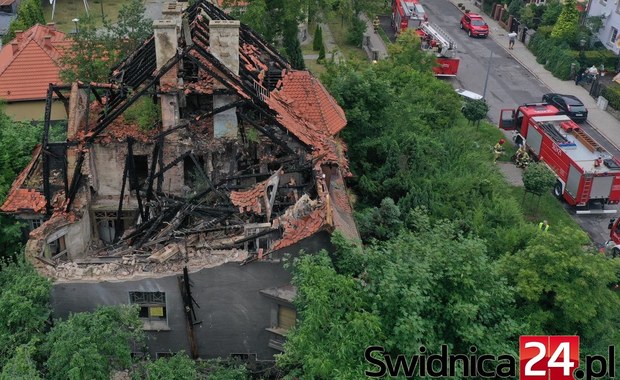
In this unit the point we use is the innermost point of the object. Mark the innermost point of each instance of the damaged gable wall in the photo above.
(240, 167)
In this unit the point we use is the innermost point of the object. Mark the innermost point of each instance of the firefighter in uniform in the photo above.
(498, 150)
(522, 158)
(543, 226)
(376, 23)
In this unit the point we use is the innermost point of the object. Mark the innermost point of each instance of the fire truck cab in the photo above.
(588, 176)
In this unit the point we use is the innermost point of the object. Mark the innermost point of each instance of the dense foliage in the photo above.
(95, 50)
(29, 13)
(450, 257)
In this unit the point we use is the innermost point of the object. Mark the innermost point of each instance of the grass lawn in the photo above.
(67, 10)
(339, 32)
(546, 207)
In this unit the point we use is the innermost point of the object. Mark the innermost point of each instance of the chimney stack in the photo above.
(51, 26)
(47, 41)
(224, 42)
(224, 45)
(15, 47)
(18, 35)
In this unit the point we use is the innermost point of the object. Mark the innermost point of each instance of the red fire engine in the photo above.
(435, 40)
(407, 14)
(588, 176)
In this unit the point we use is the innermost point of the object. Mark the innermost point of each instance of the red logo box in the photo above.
(548, 357)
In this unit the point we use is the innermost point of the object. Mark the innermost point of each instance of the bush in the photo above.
(598, 57)
(560, 64)
(318, 38)
(144, 112)
(355, 36)
(612, 94)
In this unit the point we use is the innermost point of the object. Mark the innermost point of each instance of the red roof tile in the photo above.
(22, 199)
(312, 101)
(6, 2)
(298, 229)
(26, 72)
(250, 200)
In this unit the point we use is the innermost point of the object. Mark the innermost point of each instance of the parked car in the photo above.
(474, 25)
(569, 104)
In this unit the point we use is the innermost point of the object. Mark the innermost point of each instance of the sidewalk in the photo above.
(373, 41)
(603, 122)
(331, 49)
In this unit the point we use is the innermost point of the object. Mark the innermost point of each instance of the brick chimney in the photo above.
(224, 45)
(19, 34)
(166, 33)
(51, 26)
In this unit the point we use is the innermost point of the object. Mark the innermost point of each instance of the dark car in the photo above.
(474, 25)
(569, 104)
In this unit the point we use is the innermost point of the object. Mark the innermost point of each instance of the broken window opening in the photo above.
(105, 222)
(56, 248)
(141, 166)
(192, 177)
(152, 309)
(33, 224)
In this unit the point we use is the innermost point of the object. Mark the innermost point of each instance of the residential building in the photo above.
(28, 64)
(192, 216)
(8, 12)
(609, 10)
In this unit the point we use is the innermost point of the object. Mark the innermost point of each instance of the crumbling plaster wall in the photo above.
(78, 237)
(109, 162)
(233, 313)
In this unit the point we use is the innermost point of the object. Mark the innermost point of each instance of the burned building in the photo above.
(183, 184)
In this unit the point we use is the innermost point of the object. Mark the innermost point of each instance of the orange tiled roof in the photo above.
(23, 199)
(6, 2)
(312, 100)
(29, 66)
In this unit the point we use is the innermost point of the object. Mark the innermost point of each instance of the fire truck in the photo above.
(588, 176)
(437, 41)
(407, 14)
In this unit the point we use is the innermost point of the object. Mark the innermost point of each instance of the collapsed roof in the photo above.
(242, 161)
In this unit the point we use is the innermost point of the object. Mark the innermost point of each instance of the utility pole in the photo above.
(486, 80)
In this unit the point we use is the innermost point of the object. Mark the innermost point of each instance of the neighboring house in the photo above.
(28, 64)
(192, 219)
(610, 12)
(8, 12)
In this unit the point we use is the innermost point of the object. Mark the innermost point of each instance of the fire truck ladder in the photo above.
(586, 140)
(587, 186)
(447, 44)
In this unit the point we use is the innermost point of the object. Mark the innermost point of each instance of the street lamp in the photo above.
(582, 57)
(75, 21)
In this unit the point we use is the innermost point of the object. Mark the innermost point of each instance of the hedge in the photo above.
(556, 58)
(598, 57)
(612, 94)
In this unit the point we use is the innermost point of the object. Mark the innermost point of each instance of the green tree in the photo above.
(567, 26)
(29, 13)
(380, 223)
(552, 11)
(516, 7)
(131, 28)
(564, 288)
(321, 58)
(218, 369)
(24, 308)
(91, 55)
(475, 110)
(21, 366)
(317, 42)
(91, 345)
(178, 367)
(293, 49)
(537, 179)
(336, 325)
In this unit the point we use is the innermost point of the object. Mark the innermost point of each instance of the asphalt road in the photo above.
(509, 85)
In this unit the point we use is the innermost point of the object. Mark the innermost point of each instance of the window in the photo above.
(34, 223)
(141, 166)
(55, 248)
(613, 35)
(286, 317)
(105, 222)
(152, 309)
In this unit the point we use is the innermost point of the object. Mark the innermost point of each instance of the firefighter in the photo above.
(498, 150)
(522, 158)
(543, 226)
(376, 23)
